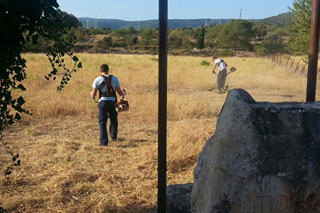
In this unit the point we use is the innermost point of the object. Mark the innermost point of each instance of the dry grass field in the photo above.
(64, 170)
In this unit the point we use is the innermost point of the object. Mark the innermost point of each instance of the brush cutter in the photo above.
(122, 105)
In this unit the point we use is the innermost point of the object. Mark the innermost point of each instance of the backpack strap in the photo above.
(108, 84)
(222, 61)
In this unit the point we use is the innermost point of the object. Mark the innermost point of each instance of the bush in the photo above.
(270, 45)
(237, 35)
(205, 63)
(260, 50)
(103, 45)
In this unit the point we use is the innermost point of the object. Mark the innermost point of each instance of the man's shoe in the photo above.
(103, 145)
(114, 139)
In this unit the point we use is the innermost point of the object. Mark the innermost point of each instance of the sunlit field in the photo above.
(64, 170)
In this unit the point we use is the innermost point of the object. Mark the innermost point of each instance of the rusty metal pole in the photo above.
(313, 52)
(162, 110)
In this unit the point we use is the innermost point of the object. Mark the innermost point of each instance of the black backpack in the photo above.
(110, 90)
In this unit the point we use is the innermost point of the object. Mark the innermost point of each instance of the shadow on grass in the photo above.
(132, 143)
(277, 95)
(130, 209)
(139, 141)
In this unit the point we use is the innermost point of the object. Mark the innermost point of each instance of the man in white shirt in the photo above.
(108, 86)
(222, 75)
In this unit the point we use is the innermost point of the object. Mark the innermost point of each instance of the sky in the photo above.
(133, 10)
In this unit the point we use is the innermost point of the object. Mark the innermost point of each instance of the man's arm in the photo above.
(121, 92)
(215, 66)
(93, 93)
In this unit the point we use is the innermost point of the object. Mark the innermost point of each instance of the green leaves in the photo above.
(301, 24)
(75, 58)
(201, 38)
(35, 39)
(15, 157)
(54, 3)
(31, 21)
(236, 34)
(21, 87)
(58, 61)
(15, 163)
(17, 117)
(20, 101)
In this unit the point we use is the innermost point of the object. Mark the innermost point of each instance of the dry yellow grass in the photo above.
(63, 169)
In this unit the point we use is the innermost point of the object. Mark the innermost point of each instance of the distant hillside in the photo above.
(282, 19)
(173, 23)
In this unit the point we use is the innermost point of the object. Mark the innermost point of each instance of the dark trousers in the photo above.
(107, 110)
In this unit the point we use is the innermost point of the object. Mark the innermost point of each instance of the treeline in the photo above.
(290, 35)
(237, 35)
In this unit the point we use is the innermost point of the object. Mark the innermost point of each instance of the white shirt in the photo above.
(114, 83)
(221, 64)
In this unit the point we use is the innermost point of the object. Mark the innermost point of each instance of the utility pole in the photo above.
(162, 108)
(96, 22)
(87, 23)
(138, 25)
(240, 17)
(313, 52)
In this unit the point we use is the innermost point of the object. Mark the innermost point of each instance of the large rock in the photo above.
(179, 198)
(263, 158)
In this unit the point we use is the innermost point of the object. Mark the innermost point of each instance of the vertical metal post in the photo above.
(162, 113)
(313, 52)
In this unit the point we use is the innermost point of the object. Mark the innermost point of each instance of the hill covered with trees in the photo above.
(151, 24)
(282, 19)
(114, 24)
(222, 39)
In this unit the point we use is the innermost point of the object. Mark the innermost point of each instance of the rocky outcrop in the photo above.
(179, 198)
(264, 157)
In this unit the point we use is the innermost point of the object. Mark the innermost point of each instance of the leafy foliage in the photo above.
(104, 44)
(149, 37)
(176, 39)
(205, 63)
(301, 24)
(201, 38)
(260, 31)
(236, 34)
(222, 39)
(23, 21)
(271, 44)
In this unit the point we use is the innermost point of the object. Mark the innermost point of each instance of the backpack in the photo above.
(110, 90)
(222, 61)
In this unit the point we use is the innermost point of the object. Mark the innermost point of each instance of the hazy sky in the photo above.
(181, 9)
